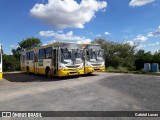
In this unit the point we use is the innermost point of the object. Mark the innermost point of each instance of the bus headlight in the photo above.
(102, 65)
(62, 66)
(89, 65)
(81, 66)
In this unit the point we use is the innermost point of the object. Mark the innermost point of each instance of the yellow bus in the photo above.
(94, 58)
(1, 72)
(57, 59)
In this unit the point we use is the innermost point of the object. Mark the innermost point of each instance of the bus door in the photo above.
(36, 63)
(55, 61)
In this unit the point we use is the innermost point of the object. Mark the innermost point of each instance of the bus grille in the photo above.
(96, 64)
(75, 66)
(73, 72)
(96, 69)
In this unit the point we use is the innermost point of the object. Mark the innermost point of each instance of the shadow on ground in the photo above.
(23, 77)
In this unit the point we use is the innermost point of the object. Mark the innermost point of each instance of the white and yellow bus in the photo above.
(1, 72)
(94, 58)
(57, 59)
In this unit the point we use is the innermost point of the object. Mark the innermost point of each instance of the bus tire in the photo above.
(48, 72)
(89, 73)
(27, 70)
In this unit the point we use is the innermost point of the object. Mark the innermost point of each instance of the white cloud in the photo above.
(62, 37)
(107, 33)
(155, 50)
(60, 31)
(139, 2)
(14, 46)
(147, 45)
(132, 43)
(67, 13)
(85, 41)
(141, 46)
(156, 33)
(98, 35)
(141, 38)
(150, 34)
(153, 44)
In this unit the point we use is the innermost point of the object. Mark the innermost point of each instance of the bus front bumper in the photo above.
(70, 72)
(89, 69)
(99, 69)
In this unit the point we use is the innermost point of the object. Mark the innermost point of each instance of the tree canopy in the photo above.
(26, 44)
(118, 54)
(30, 43)
(12, 62)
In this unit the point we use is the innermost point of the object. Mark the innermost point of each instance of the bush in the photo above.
(118, 69)
(10, 63)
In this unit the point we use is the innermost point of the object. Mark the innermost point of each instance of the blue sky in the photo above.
(81, 21)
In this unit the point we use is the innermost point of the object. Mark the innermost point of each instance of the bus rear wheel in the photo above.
(48, 73)
(28, 70)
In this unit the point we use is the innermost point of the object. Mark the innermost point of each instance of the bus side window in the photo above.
(49, 53)
(31, 56)
(42, 53)
(27, 56)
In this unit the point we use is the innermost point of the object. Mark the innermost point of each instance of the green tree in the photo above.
(10, 63)
(26, 44)
(156, 58)
(30, 43)
(16, 53)
(118, 54)
(142, 57)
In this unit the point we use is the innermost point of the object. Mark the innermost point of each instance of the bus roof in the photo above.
(58, 44)
(90, 44)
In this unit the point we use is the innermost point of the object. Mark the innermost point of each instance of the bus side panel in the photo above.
(1, 75)
(43, 64)
(41, 70)
(22, 62)
(40, 67)
(89, 69)
(30, 64)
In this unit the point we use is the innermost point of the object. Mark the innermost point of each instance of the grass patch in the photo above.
(125, 70)
(117, 70)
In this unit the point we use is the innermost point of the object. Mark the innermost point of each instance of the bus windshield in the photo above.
(77, 56)
(71, 56)
(96, 55)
